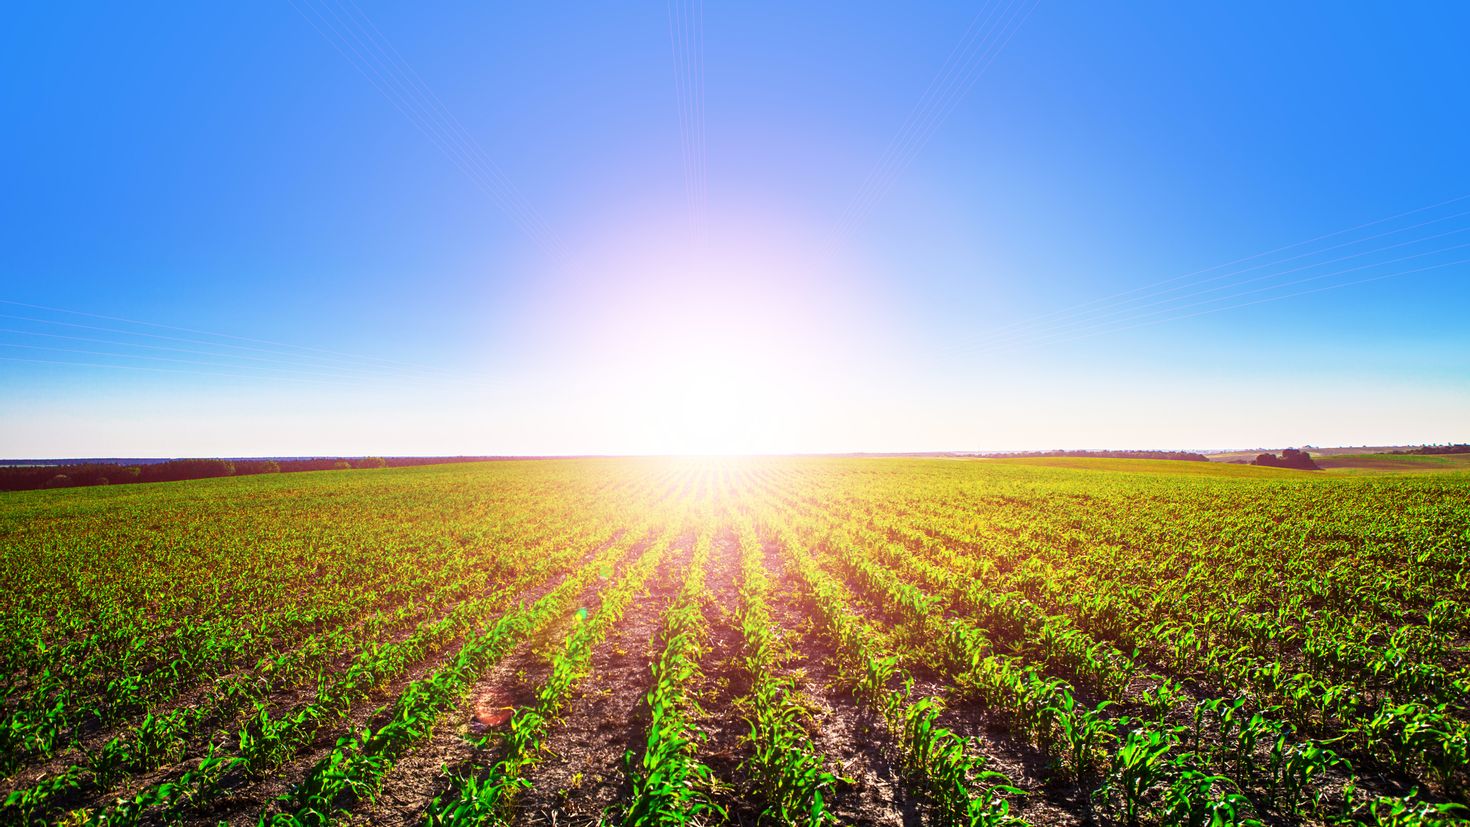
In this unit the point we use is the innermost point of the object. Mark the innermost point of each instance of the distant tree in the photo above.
(341, 465)
(188, 469)
(294, 465)
(1427, 450)
(1290, 458)
(194, 469)
(1183, 456)
(27, 477)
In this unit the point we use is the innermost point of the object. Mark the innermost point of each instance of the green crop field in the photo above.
(763, 641)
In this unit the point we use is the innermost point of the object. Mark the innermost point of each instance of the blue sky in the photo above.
(292, 265)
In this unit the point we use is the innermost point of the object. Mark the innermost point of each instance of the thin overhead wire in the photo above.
(284, 347)
(358, 40)
(1268, 299)
(699, 120)
(275, 372)
(686, 150)
(114, 366)
(686, 41)
(1171, 313)
(378, 388)
(1135, 306)
(251, 373)
(1102, 303)
(987, 35)
(1104, 318)
(942, 89)
(142, 346)
(375, 375)
(299, 359)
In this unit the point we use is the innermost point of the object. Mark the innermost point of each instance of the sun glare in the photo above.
(708, 347)
(712, 402)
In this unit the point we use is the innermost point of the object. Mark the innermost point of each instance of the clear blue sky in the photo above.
(464, 227)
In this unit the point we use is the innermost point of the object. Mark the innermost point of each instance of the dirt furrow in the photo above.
(1053, 798)
(583, 774)
(722, 681)
(243, 804)
(426, 773)
(846, 732)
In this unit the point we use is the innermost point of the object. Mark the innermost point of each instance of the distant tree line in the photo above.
(1458, 448)
(26, 477)
(1188, 456)
(1290, 458)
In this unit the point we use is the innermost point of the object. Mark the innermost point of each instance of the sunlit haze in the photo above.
(320, 228)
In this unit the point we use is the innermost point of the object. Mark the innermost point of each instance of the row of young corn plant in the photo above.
(1260, 612)
(1270, 751)
(485, 797)
(1343, 545)
(162, 738)
(147, 625)
(1085, 741)
(135, 663)
(1426, 741)
(265, 741)
(1088, 742)
(140, 657)
(58, 708)
(1352, 670)
(1380, 655)
(670, 785)
(155, 740)
(945, 767)
(1437, 744)
(787, 774)
(1050, 639)
(1010, 620)
(355, 767)
(1423, 740)
(1293, 773)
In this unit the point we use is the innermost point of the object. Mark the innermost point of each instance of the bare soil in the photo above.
(242, 804)
(584, 774)
(858, 748)
(429, 771)
(721, 683)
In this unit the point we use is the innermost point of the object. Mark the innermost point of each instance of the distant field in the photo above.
(1341, 459)
(1398, 462)
(1156, 466)
(1228, 456)
(778, 641)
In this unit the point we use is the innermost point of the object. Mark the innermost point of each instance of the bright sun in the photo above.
(707, 349)
(715, 401)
